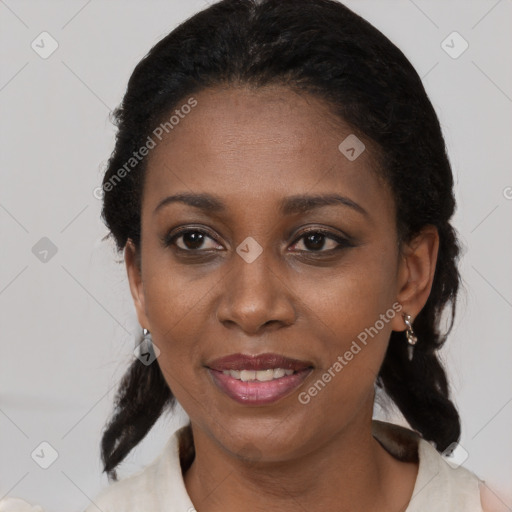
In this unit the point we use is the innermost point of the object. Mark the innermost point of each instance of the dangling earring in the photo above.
(147, 342)
(146, 351)
(411, 337)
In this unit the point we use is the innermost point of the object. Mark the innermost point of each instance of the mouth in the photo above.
(258, 380)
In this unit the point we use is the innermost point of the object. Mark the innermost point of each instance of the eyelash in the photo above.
(169, 240)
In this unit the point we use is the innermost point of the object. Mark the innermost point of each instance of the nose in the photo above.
(255, 296)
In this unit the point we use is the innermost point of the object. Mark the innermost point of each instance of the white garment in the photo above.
(18, 505)
(160, 487)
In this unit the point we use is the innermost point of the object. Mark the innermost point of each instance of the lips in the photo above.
(258, 362)
(249, 388)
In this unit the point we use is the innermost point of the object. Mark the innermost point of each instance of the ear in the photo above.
(416, 270)
(133, 269)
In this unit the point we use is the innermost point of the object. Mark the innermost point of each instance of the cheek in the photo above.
(175, 294)
(354, 309)
(176, 309)
(354, 296)
(169, 294)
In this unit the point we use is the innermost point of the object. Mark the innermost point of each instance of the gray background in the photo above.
(68, 325)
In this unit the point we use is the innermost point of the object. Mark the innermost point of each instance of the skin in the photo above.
(252, 148)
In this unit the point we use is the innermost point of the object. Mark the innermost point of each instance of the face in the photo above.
(255, 270)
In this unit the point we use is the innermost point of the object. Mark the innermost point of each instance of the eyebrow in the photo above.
(288, 206)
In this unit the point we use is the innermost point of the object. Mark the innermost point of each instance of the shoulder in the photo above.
(449, 483)
(18, 505)
(134, 491)
(158, 486)
(441, 484)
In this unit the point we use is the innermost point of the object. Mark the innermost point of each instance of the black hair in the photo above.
(322, 48)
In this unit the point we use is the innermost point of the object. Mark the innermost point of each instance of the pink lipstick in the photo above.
(260, 379)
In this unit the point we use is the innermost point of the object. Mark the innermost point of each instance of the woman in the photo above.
(287, 239)
(282, 194)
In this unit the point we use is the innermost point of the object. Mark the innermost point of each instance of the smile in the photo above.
(260, 375)
(256, 390)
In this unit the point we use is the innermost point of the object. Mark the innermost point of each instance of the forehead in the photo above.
(259, 145)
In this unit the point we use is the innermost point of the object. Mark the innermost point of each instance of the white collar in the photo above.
(160, 485)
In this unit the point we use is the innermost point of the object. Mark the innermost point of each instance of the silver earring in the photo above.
(147, 350)
(411, 337)
(147, 339)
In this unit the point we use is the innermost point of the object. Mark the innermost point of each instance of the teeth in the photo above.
(261, 375)
(246, 375)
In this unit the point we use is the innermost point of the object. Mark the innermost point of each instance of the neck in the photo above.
(349, 472)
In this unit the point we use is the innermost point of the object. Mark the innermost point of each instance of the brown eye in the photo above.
(192, 240)
(316, 240)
